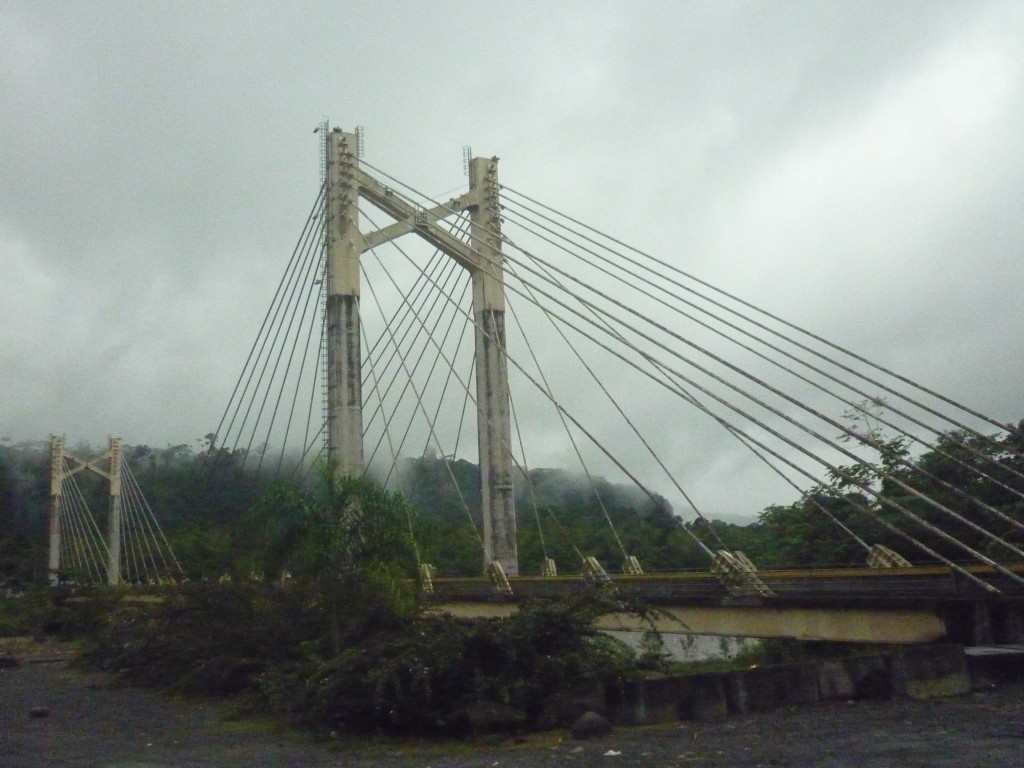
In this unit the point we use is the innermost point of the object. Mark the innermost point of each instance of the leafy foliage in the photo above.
(413, 676)
(197, 638)
(25, 613)
(423, 677)
(210, 505)
(304, 596)
(347, 540)
(559, 515)
(24, 491)
(962, 473)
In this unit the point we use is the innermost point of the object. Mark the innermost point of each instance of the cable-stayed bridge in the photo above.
(132, 550)
(403, 324)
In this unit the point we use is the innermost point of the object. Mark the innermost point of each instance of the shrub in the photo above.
(417, 676)
(422, 677)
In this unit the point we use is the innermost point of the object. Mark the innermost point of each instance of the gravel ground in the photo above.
(92, 723)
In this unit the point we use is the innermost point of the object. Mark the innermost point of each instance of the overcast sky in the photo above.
(857, 167)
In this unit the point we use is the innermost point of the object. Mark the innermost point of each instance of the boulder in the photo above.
(590, 724)
(875, 685)
(561, 710)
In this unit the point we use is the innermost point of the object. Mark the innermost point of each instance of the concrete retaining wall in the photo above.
(918, 672)
(995, 664)
(930, 671)
(763, 688)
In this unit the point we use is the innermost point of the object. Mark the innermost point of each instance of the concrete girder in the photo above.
(848, 625)
(406, 214)
(418, 219)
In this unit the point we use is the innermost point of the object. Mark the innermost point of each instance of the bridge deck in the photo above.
(892, 587)
(892, 605)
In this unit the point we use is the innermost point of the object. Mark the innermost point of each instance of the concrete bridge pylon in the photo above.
(345, 184)
(58, 474)
(341, 278)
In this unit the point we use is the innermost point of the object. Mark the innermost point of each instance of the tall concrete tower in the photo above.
(345, 183)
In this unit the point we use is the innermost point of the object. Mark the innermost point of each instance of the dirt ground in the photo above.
(93, 723)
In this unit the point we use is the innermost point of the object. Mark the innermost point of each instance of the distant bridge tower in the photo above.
(58, 474)
(482, 257)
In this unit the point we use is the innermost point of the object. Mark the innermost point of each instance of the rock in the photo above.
(39, 712)
(590, 724)
(563, 709)
(875, 685)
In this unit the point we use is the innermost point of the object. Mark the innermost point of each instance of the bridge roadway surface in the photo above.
(888, 605)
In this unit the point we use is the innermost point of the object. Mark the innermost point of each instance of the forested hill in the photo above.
(203, 506)
(558, 513)
(205, 509)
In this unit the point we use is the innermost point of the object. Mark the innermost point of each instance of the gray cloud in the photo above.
(854, 167)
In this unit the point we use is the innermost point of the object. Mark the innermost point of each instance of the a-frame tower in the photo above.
(346, 182)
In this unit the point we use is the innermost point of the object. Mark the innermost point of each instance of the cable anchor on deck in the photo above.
(427, 572)
(497, 576)
(738, 574)
(631, 566)
(594, 572)
(881, 556)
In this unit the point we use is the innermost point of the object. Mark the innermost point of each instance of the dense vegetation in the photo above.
(326, 627)
(205, 507)
(303, 595)
(269, 646)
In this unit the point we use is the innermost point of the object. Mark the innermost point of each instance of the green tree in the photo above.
(24, 508)
(801, 534)
(347, 539)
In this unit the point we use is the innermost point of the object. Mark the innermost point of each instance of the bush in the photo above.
(24, 615)
(418, 676)
(200, 638)
(424, 677)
